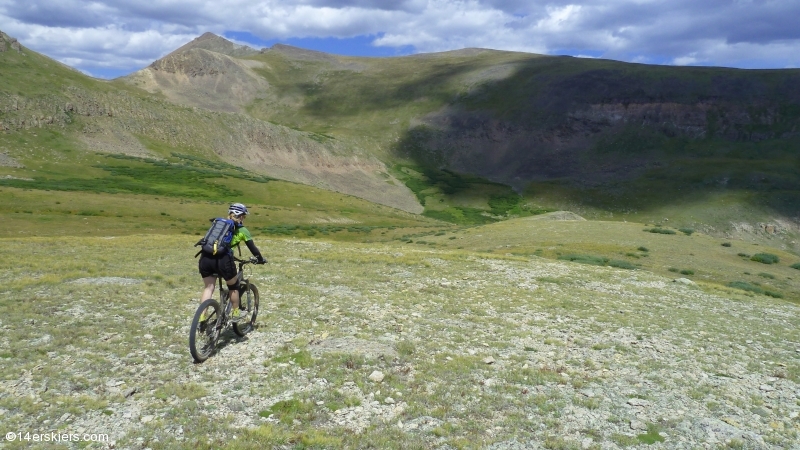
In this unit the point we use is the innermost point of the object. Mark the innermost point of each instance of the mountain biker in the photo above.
(224, 264)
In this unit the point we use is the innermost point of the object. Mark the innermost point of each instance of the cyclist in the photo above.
(224, 264)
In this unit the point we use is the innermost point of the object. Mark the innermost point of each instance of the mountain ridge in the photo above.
(599, 137)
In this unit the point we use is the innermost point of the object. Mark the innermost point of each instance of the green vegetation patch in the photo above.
(597, 261)
(765, 258)
(651, 437)
(462, 198)
(197, 179)
(660, 231)
(287, 411)
(749, 287)
(313, 230)
(301, 357)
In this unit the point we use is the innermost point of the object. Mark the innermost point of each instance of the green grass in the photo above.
(462, 198)
(302, 358)
(750, 287)
(652, 436)
(290, 410)
(425, 317)
(597, 242)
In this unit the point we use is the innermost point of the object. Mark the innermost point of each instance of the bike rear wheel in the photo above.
(203, 334)
(248, 298)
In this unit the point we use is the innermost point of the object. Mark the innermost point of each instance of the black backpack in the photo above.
(217, 240)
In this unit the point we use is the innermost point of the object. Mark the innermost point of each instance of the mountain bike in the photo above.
(204, 334)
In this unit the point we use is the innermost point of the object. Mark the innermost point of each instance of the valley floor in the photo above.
(389, 346)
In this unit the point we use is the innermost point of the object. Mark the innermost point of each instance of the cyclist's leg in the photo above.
(227, 268)
(208, 288)
(207, 268)
(234, 292)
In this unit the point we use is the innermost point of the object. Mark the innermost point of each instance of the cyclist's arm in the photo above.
(244, 235)
(254, 250)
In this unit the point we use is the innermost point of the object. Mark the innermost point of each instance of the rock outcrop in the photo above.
(7, 42)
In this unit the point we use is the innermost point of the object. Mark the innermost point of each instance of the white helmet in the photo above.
(237, 209)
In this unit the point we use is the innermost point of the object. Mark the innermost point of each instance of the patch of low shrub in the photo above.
(726, 244)
(795, 266)
(643, 249)
(687, 272)
(686, 231)
(765, 258)
(749, 287)
(621, 264)
(586, 259)
(660, 231)
(598, 261)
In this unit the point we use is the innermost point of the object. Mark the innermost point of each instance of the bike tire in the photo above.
(203, 335)
(242, 328)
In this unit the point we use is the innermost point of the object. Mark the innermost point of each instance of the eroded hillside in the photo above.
(112, 117)
(706, 148)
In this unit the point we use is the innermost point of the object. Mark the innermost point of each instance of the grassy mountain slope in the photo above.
(481, 341)
(605, 138)
(719, 264)
(706, 148)
(58, 118)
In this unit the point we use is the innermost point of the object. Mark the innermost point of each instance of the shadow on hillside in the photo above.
(433, 82)
(623, 137)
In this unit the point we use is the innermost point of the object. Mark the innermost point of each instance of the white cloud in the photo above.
(131, 34)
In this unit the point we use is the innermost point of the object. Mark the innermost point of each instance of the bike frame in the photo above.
(224, 292)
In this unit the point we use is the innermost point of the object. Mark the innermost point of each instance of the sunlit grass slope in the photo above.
(679, 253)
(379, 102)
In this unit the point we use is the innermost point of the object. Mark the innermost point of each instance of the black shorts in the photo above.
(223, 265)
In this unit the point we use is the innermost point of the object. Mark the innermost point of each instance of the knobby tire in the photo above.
(203, 336)
(243, 328)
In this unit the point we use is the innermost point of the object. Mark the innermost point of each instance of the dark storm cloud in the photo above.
(69, 13)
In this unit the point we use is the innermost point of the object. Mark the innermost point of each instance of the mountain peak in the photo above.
(212, 42)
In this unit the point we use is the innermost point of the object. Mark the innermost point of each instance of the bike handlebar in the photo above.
(251, 260)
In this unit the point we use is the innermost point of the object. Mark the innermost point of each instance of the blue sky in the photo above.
(110, 38)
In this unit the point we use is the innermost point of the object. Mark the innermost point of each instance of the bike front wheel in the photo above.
(204, 333)
(249, 299)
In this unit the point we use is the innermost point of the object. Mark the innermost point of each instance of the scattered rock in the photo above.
(488, 360)
(638, 402)
(685, 281)
(716, 431)
(376, 376)
(424, 424)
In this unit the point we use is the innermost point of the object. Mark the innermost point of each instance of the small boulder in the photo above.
(376, 376)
